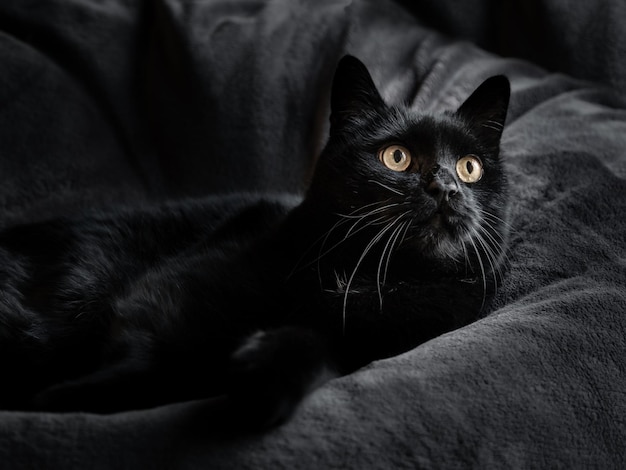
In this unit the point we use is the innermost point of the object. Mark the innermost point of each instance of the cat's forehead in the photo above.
(426, 133)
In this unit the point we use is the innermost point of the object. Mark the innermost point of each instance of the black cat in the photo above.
(400, 237)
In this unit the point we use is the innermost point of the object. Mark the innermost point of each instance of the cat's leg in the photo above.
(273, 370)
(118, 387)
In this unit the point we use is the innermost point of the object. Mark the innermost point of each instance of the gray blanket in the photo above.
(114, 102)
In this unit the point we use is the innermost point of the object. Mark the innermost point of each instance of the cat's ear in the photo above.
(485, 110)
(354, 94)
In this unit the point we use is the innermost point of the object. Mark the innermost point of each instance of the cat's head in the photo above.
(431, 183)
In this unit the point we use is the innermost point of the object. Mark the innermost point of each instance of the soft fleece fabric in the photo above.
(120, 102)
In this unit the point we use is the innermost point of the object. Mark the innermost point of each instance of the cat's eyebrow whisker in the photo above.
(495, 125)
(399, 193)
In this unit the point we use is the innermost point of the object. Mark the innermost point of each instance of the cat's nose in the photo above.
(442, 190)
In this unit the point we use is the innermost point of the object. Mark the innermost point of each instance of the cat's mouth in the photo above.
(441, 233)
(439, 220)
(444, 219)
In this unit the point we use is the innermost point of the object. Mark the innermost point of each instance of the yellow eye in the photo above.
(469, 168)
(395, 157)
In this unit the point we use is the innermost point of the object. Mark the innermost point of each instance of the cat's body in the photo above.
(264, 297)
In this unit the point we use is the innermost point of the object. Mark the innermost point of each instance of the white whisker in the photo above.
(351, 231)
(372, 212)
(399, 193)
(387, 251)
(490, 257)
(367, 249)
(323, 239)
(349, 234)
(362, 208)
(497, 241)
(496, 219)
(465, 254)
(482, 270)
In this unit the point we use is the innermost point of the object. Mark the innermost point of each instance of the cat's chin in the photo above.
(439, 239)
(442, 246)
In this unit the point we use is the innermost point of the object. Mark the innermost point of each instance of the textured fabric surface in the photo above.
(116, 101)
(583, 39)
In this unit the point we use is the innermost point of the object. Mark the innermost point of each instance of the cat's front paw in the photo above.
(272, 371)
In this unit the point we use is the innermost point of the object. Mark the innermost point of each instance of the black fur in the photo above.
(263, 298)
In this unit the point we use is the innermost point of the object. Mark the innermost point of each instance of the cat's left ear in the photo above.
(354, 94)
(485, 110)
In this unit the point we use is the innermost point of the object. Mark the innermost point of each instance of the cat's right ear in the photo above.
(354, 95)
